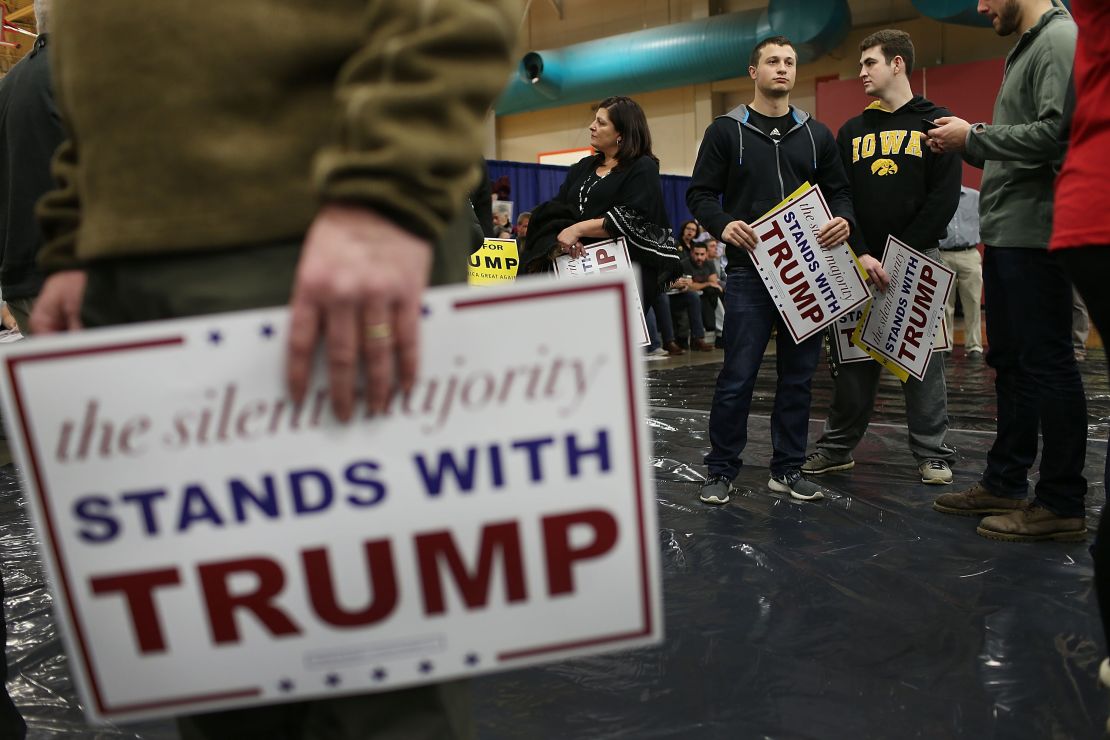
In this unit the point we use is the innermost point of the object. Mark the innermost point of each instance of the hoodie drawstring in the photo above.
(813, 144)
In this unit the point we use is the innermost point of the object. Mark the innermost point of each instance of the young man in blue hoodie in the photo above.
(899, 188)
(749, 161)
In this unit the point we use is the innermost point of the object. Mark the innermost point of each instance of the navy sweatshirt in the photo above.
(899, 187)
(754, 173)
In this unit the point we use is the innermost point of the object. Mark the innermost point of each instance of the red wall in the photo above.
(968, 90)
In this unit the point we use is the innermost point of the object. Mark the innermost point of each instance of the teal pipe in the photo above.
(960, 12)
(714, 48)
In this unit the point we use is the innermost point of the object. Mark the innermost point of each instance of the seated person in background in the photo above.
(717, 255)
(522, 225)
(706, 279)
(697, 294)
(686, 236)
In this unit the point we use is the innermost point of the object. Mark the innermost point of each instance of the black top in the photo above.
(774, 127)
(741, 173)
(899, 187)
(30, 131)
(635, 185)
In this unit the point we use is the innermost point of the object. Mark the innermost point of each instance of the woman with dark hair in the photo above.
(615, 192)
(686, 236)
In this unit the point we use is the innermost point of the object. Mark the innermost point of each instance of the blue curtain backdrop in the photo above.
(535, 183)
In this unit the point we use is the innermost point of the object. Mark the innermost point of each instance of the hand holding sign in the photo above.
(213, 545)
(811, 286)
(878, 276)
(834, 233)
(740, 234)
(570, 242)
(901, 327)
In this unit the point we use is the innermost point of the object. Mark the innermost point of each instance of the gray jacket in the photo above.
(1020, 152)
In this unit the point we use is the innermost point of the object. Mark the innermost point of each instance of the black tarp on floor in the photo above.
(866, 615)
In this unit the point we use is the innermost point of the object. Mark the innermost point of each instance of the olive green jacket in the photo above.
(1020, 152)
(228, 125)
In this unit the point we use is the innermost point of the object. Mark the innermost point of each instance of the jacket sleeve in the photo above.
(832, 178)
(1038, 140)
(59, 209)
(710, 178)
(642, 190)
(59, 213)
(636, 215)
(943, 173)
(856, 239)
(413, 100)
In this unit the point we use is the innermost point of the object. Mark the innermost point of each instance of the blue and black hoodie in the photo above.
(899, 187)
(753, 173)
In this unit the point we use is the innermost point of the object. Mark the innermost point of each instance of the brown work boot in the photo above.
(701, 345)
(1033, 523)
(975, 501)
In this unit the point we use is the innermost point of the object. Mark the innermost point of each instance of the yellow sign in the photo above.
(494, 263)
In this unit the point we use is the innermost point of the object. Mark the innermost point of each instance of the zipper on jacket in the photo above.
(778, 171)
(778, 161)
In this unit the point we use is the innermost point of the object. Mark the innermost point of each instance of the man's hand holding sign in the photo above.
(215, 543)
(902, 326)
(808, 269)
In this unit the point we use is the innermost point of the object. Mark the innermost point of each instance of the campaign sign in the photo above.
(903, 323)
(606, 258)
(842, 332)
(812, 287)
(845, 328)
(211, 545)
(495, 262)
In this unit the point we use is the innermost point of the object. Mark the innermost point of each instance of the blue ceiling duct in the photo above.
(714, 48)
(960, 12)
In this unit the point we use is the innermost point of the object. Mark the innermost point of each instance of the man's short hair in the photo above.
(753, 60)
(525, 215)
(698, 245)
(894, 43)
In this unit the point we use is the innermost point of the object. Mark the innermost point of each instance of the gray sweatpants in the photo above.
(854, 399)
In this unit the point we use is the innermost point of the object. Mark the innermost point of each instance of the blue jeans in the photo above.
(1028, 299)
(688, 304)
(749, 317)
(661, 307)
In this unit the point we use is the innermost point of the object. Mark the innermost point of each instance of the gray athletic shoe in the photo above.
(716, 489)
(797, 486)
(818, 462)
(935, 472)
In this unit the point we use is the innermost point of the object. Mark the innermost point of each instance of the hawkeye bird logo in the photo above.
(884, 167)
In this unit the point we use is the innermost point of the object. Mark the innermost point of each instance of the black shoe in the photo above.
(716, 489)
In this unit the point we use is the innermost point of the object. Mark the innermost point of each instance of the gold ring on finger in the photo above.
(378, 332)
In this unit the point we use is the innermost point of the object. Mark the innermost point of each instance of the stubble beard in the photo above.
(1009, 16)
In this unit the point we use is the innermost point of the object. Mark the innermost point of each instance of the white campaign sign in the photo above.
(842, 332)
(210, 545)
(845, 327)
(812, 287)
(905, 322)
(609, 257)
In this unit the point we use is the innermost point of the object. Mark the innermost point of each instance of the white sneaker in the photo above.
(657, 352)
(935, 472)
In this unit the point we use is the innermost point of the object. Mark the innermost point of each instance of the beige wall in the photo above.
(678, 116)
